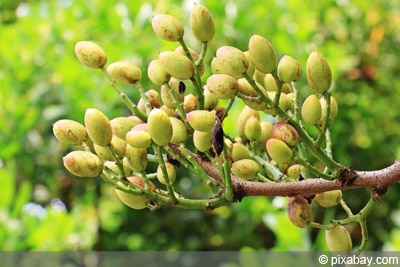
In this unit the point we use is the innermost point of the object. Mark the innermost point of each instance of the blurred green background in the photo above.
(42, 207)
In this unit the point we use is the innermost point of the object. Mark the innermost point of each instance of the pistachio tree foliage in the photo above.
(283, 146)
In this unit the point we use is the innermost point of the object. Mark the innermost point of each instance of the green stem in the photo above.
(170, 187)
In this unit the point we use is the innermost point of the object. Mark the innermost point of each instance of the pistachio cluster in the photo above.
(182, 121)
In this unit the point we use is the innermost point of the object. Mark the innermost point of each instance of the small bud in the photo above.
(98, 127)
(159, 127)
(319, 74)
(262, 54)
(69, 132)
(83, 164)
(201, 120)
(289, 69)
(299, 211)
(286, 133)
(177, 65)
(90, 54)
(202, 140)
(333, 110)
(222, 86)
(137, 158)
(338, 239)
(252, 128)
(279, 150)
(167, 27)
(328, 199)
(241, 121)
(311, 110)
(171, 172)
(245, 169)
(232, 60)
(124, 72)
(179, 131)
(132, 200)
(202, 23)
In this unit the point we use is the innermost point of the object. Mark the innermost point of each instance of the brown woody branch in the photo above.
(379, 180)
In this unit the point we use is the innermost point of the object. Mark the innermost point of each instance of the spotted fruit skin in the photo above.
(262, 54)
(338, 239)
(201, 120)
(124, 72)
(299, 211)
(69, 132)
(135, 201)
(311, 110)
(98, 127)
(223, 86)
(279, 151)
(159, 127)
(167, 27)
(177, 65)
(328, 199)
(245, 169)
(171, 172)
(202, 23)
(90, 54)
(319, 74)
(286, 133)
(83, 164)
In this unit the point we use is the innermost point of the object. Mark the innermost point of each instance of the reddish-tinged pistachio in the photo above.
(159, 127)
(167, 27)
(279, 150)
(299, 211)
(135, 201)
(69, 132)
(232, 60)
(189, 103)
(177, 65)
(90, 54)
(311, 110)
(202, 23)
(83, 164)
(201, 120)
(245, 169)
(338, 239)
(262, 54)
(154, 99)
(328, 199)
(319, 74)
(98, 127)
(286, 133)
(222, 86)
(289, 69)
(171, 172)
(124, 72)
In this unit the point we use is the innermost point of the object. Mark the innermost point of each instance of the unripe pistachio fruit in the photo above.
(171, 172)
(177, 65)
(69, 132)
(189, 103)
(239, 151)
(179, 131)
(98, 127)
(252, 128)
(289, 69)
(124, 72)
(246, 113)
(286, 133)
(299, 211)
(167, 27)
(202, 140)
(262, 54)
(328, 199)
(202, 23)
(333, 110)
(132, 200)
(223, 86)
(136, 158)
(232, 60)
(159, 127)
(270, 83)
(294, 171)
(279, 150)
(319, 74)
(121, 125)
(210, 100)
(201, 120)
(157, 73)
(266, 133)
(138, 138)
(90, 54)
(338, 239)
(245, 169)
(311, 110)
(83, 163)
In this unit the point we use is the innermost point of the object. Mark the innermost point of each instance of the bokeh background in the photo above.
(42, 207)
